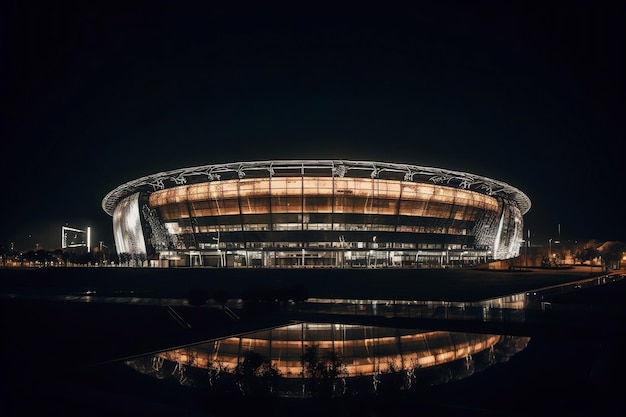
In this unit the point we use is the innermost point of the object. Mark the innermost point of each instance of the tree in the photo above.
(612, 252)
(85, 258)
(41, 256)
(124, 258)
(392, 381)
(256, 376)
(58, 254)
(588, 253)
(115, 259)
(29, 256)
(141, 259)
(65, 256)
(4, 254)
(323, 371)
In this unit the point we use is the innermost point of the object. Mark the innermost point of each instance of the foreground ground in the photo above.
(399, 284)
(45, 339)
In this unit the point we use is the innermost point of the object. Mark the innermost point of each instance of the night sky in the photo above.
(95, 95)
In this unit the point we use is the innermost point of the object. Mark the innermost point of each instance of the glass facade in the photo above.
(272, 214)
(127, 228)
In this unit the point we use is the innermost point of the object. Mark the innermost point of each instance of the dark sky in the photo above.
(94, 95)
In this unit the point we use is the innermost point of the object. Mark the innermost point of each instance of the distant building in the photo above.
(73, 239)
(316, 213)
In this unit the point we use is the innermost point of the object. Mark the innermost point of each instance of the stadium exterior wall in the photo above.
(315, 213)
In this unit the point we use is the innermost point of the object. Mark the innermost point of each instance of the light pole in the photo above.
(550, 252)
(550, 240)
(219, 253)
(527, 246)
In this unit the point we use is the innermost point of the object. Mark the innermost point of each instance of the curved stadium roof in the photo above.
(334, 167)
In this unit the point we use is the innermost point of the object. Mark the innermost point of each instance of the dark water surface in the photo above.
(53, 347)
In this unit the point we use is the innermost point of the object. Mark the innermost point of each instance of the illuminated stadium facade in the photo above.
(316, 213)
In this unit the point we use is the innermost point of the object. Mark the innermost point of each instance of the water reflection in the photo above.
(309, 359)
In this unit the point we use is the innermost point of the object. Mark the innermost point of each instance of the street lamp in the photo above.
(219, 253)
(550, 250)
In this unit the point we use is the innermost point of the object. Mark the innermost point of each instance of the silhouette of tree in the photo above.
(612, 252)
(41, 256)
(5, 254)
(142, 259)
(113, 257)
(29, 256)
(587, 253)
(393, 381)
(256, 376)
(58, 255)
(65, 256)
(220, 380)
(85, 258)
(125, 258)
(322, 371)
(269, 377)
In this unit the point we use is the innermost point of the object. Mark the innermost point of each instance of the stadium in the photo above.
(315, 213)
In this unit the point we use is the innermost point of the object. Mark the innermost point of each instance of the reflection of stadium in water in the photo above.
(365, 353)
